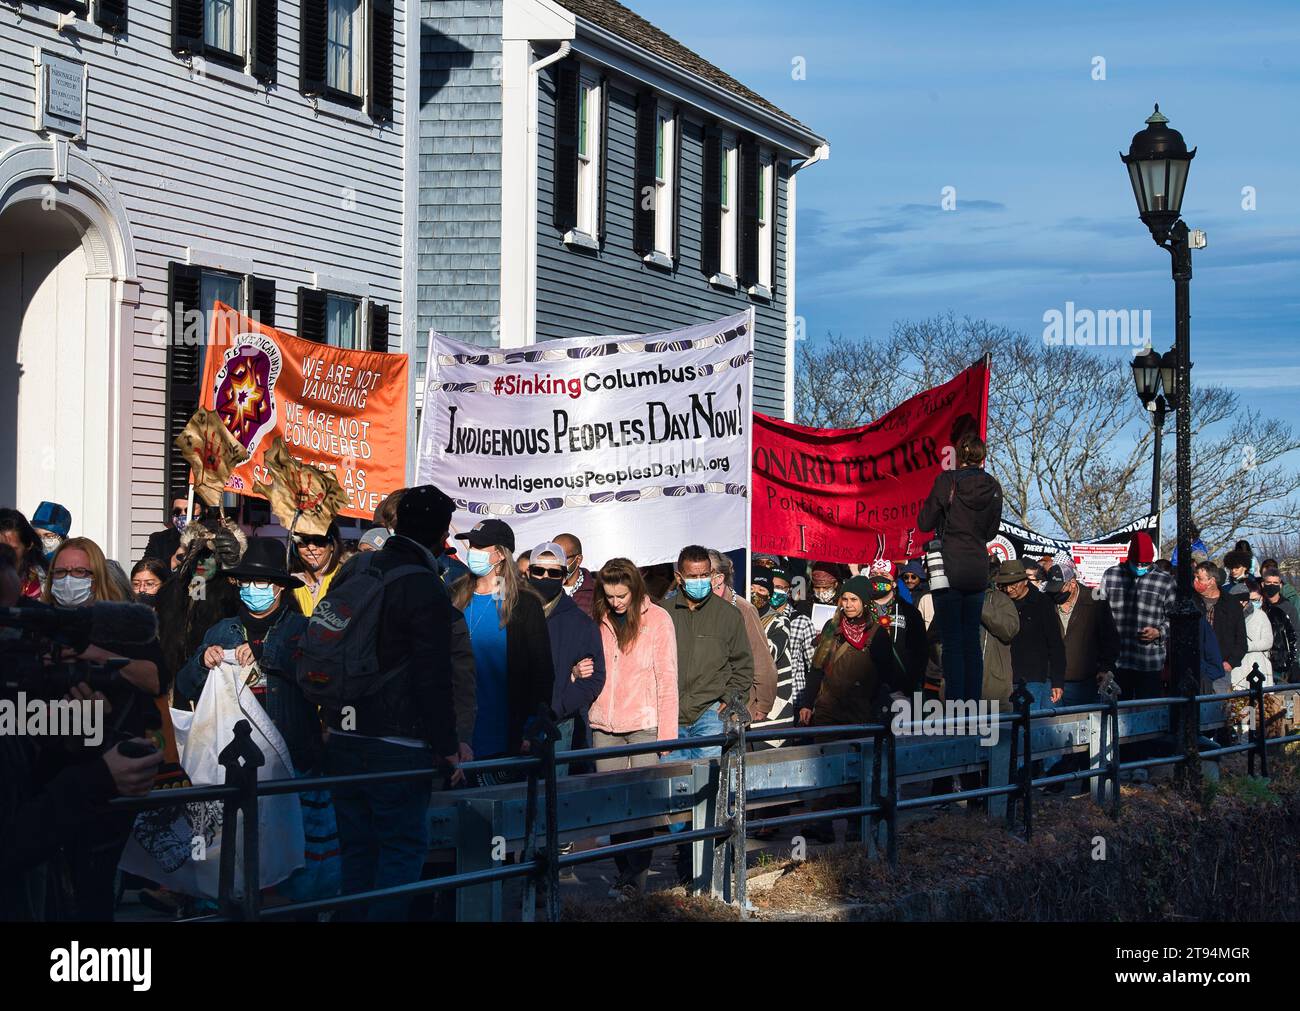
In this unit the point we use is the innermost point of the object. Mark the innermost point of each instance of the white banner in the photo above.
(638, 445)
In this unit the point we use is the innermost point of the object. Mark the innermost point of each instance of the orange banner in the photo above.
(343, 411)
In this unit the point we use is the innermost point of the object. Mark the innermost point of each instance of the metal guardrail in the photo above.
(873, 759)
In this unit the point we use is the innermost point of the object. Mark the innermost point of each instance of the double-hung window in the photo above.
(589, 168)
(223, 30)
(346, 47)
(766, 218)
(729, 210)
(343, 322)
(665, 179)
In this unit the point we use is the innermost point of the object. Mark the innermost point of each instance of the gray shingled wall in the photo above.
(459, 243)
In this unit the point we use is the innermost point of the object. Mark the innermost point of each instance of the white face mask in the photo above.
(71, 591)
(51, 543)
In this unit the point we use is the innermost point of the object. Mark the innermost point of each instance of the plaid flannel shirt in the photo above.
(1136, 603)
(800, 648)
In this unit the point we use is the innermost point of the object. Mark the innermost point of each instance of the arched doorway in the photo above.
(66, 403)
(43, 296)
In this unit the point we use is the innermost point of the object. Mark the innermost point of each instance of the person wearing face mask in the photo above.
(1140, 597)
(1088, 631)
(576, 652)
(514, 672)
(1037, 653)
(147, 578)
(78, 576)
(579, 583)
(52, 523)
(263, 634)
(315, 560)
(906, 628)
(789, 637)
(18, 534)
(762, 693)
(1259, 633)
(163, 543)
(1286, 626)
(1224, 615)
(715, 664)
(824, 578)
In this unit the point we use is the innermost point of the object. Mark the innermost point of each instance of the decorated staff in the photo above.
(305, 499)
(212, 453)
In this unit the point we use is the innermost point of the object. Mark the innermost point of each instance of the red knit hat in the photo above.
(1140, 548)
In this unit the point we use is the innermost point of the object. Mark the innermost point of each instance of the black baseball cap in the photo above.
(488, 534)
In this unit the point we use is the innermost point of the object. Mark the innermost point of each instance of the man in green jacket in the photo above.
(714, 664)
(714, 661)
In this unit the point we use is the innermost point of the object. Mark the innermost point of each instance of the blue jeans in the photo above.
(565, 743)
(1042, 695)
(383, 827)
(708, 724)
(957, 613)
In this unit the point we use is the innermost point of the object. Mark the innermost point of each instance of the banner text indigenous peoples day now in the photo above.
(603, 437)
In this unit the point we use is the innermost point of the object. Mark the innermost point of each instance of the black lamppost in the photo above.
(1150, 372)
(1158, 163)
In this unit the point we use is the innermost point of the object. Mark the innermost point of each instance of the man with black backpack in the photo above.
(377, 659)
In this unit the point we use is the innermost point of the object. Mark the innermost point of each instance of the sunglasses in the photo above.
(314, 541)
(543, 572)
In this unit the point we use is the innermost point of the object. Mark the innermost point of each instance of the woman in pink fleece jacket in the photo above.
(639, 701)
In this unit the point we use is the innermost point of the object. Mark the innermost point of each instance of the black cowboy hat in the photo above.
(263, 562)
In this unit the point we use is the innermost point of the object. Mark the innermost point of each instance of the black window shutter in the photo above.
(774, 223)
(565, 174)
(711, 203)
(603, 188)
(110, 15)
(187, 27)
(313, 24)
(184, 283)
(378, 327)
(311, 314)
(747, 237)
(381, 61)
(261, 299)
(266, 39)
(643, 206)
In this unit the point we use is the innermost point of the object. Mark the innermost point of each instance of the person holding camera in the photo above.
(576, 650)
(963, 509)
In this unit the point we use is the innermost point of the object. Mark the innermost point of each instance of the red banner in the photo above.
(853, 494)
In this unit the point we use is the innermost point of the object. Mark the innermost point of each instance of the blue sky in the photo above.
(998, 101)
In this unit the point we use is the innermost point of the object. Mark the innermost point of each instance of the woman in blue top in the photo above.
(514, 674)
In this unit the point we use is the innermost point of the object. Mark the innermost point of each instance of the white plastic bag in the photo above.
(179, 847)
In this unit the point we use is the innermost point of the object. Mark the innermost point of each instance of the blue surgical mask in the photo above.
(257, 598)
(698, 589)
(1139, 570)
(779, 598)
(1256, 604)
(479, 562)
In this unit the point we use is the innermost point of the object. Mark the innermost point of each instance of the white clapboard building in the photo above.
(158, 154)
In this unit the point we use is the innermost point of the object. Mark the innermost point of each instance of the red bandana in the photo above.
(854, 632)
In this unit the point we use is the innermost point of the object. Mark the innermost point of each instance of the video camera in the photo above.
(34, 639)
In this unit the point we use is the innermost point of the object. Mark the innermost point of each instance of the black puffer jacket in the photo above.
(964, 509)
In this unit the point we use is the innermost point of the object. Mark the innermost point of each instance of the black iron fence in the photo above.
(876, 805)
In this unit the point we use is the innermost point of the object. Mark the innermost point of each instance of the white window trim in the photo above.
(365, 60)
(82, 24)
(589, 167)
(665, 186)
(766, 222)
(728, 211)
(242, 20)
(363, 319)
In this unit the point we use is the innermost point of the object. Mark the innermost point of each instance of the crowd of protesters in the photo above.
(479, 646)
